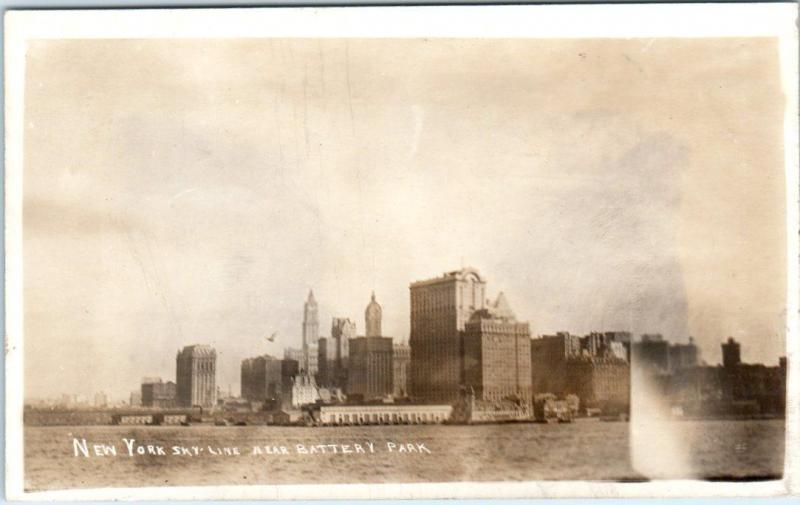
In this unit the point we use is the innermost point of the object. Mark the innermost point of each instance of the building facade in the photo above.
(310, 334)
(304, 390)
(100, 400)
(497, 355)
(268, 380)
(326, 362)
(684, 355)
(549, 355)
(731, 353)
(331, 415)
(196, 373)
(401, 360)
(735, 388)
(333, 354)
(370, 373)
(440, 309)
(594, 368)
(159, 394)
(599, 382)
(372, 316)
(653, 354)
(307, 359)
(342, 331)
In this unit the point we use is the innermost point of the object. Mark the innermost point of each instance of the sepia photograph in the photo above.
(306, 248)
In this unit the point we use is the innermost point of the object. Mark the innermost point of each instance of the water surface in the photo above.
(509, 452)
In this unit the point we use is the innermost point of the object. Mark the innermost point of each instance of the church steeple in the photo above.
(373, 316)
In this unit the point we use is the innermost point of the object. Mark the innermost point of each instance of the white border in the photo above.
(562, 21)
(542, 21)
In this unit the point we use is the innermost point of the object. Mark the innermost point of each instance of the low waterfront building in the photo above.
(135, 419)
(156, 419)
(470, 410)
(389, 413)
(174, 419)
(285, 417)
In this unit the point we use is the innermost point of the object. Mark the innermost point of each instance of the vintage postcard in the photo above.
(461, 252)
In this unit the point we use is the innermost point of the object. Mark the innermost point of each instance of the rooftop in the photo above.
(199, 351)
(455, 275)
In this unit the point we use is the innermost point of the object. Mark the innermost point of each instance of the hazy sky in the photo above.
(180, 192)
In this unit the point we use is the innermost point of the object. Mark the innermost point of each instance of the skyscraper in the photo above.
(372, 316)
(310, 334)
(497, 354)
(268, 380)
(305, 360)
(310, 321)
(401, 358)
(196, 376)
(342, 331)
(326, 361)
(370, 374)
(370, 367)
(440, 308)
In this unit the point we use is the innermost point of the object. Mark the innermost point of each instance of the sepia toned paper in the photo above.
(401, 252)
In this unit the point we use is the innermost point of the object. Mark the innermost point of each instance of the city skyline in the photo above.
(235, 176)
(279, 354)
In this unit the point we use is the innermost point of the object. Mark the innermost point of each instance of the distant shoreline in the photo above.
(47, 418)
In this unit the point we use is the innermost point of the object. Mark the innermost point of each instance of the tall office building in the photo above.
(196, 376)
(371, 368)
(310, 334)
(372, 316)
(268, 380)
(401, 359)
(440, 309)
(326, 361)
(338, 351)
(497, 354)
(306, 359)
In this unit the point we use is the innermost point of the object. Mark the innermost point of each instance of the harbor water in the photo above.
(66, 457)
